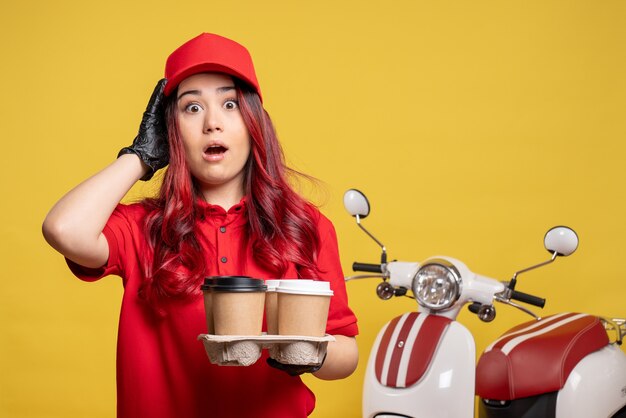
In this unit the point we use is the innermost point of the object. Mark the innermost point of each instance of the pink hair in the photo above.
(280, 228)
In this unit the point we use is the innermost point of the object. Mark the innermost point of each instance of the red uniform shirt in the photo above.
(162, 370)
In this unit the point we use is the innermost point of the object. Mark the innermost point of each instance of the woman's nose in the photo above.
(213, 121)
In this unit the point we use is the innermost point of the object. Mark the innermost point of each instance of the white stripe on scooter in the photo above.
(508, 347)
(392, 343)
(408, 348)
(523, 330)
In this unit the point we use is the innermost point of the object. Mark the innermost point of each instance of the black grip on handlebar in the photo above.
(530, 299)
(370, 268)
(474, 307)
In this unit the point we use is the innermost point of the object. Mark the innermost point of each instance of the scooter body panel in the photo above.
(445, 390)
(596, 387)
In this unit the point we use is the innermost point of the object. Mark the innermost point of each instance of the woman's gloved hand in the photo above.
(150, 144)
(295, 369)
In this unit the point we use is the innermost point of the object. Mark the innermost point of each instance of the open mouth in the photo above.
(215, 150)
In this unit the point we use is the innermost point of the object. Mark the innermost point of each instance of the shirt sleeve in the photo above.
(119, 232)
(341, 319)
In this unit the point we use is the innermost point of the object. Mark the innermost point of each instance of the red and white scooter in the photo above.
(422, 363)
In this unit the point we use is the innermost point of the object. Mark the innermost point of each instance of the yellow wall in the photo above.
(473, 126)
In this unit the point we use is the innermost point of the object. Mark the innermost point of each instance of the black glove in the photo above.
(150, 144)
(295, 369)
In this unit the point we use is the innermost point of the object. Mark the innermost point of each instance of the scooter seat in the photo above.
(537, 357)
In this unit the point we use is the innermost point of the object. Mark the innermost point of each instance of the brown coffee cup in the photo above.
(236, 305)
(271, 306)
(208, 305)
(303, 307)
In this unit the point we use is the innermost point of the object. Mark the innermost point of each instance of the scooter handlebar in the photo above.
(367, 267)
(527, 298)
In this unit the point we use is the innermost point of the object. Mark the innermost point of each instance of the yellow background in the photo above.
(473, 126)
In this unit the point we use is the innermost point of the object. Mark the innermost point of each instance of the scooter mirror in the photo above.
(356, 203)
(562, 240)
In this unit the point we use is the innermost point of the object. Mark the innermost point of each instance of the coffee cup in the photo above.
(303, 307)
(237, 304)
(208, 305)
(271, 306)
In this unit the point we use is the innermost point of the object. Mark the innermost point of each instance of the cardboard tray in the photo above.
(245, 350)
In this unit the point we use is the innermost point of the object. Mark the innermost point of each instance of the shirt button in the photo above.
(223, 259)
(222, 229)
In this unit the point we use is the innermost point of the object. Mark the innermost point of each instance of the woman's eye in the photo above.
(231, 104)
(193, 108)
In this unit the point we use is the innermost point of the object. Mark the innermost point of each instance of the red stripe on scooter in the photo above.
(382, 348)
(424, 348)
(398, 349)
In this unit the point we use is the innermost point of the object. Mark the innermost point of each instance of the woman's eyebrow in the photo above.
(219, 90)
(225, 89)
(194, 92)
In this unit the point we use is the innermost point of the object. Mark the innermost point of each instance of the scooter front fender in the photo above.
(446, 387)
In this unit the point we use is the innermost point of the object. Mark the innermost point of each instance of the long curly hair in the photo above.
(278, 228)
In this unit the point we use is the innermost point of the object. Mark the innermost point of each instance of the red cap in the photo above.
(208, 52)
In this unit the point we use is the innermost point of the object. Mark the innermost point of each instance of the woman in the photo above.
(224, 208)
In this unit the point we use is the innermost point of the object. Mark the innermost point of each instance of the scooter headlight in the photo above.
(437, 285)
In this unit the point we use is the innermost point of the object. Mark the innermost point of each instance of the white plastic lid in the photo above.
(272, 285)
(305, 287)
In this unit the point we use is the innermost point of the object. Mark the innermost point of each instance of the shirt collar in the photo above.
(235, 214)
